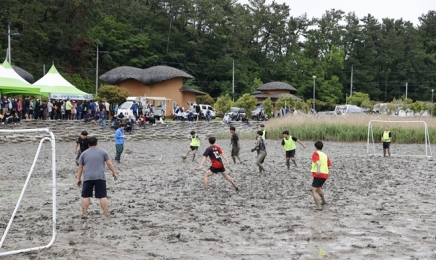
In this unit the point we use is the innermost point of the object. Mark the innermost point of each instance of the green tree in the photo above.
(205, 99)
(267, 106)
(247, 101)
(113, 94)
(285, 101)
(223, 104)
(357, 98)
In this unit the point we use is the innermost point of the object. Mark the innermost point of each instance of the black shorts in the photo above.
(100, 189)
(386, 145)
(235, 151)
(318, 182)
(290, 154)
(193, 148)
(217, 170)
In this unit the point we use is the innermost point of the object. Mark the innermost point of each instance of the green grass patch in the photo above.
(351, 128)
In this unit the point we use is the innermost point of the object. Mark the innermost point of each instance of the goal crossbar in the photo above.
(428, 152)
(53, 170)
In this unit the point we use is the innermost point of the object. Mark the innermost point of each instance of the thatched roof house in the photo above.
(274, 90)
(157, 81)
(147, 76)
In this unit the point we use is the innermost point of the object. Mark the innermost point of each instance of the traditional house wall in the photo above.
(169, 89)
(279, 91)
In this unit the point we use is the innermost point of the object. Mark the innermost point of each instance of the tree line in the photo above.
(211, 39)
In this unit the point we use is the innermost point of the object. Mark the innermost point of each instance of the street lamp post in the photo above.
(313, 105)
(9, 41)
(432, 104)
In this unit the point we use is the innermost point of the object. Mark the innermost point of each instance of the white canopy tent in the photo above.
(54, 86)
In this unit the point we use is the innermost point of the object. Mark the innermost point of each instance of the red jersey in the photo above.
(214, 153)
(315, 158)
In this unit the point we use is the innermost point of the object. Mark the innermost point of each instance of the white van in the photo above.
(159, 105)
(204, 108)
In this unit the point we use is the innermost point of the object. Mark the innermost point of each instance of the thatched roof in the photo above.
(147, 76)
(24, 74)
(277, 86)
(161, 73)
(122, 73)
(276, 96)
(192, 90)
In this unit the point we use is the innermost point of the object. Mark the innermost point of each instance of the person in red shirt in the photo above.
(215, 153)
(320, 172)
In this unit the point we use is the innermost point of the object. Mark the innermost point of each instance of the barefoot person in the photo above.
(193, 147)
(82, 143)
(320, 172)
(289, 146)
(119, 142)
(261, 151)
(215, 153)
(92, 165)
(386, 139)
(234, 143)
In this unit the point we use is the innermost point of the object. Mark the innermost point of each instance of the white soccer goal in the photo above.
(53, 169)
(428, 152)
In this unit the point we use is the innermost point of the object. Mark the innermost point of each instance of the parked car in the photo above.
(204, 108)
(236, 112)
(258, 114)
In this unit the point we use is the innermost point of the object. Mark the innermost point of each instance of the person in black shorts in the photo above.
(92, 165)
(386, 139)
(320, 172)
(214, 152)
(234, 143)
(193, 147)
(82, 143)
(289, 146)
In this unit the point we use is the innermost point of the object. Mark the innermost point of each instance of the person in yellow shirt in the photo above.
(320, 172)
(386, 139)
(193, 147)
(289, 146)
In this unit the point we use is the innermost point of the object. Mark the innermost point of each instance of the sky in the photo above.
(408, 10)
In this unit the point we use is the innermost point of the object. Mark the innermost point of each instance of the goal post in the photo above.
(53, 170)
(428, 152)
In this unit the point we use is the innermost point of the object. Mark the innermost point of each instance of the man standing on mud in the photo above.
(92, 165)
(83, 144)
(214, 152)
(119, 142)
(289, 147)
(261, 151)
(386, 139)
(234, 143)
(320, 172)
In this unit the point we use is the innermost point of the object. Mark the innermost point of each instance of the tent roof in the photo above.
(53, 82)
(12, 83)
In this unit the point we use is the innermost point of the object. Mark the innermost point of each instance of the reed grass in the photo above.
(345, 128)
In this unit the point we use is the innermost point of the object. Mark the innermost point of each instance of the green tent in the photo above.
(54, 86)
(12, 83)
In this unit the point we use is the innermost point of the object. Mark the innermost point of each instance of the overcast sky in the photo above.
(408, 10)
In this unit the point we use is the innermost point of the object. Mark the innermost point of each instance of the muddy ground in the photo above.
(378, 208)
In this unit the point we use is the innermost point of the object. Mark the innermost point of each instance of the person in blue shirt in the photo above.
(119, 142)
(135, 109)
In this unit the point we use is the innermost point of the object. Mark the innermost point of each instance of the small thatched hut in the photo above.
(158, 81)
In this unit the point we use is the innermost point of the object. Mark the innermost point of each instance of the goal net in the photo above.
(26, 184)
(416, 130)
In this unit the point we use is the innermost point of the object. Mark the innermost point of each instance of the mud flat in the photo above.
(379, 208)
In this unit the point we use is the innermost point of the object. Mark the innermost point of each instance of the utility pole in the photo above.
(406, 89)
(314, 78)
(233, 81)
(96, 69)
(351, 85)
(9, 43)
(96, 74)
